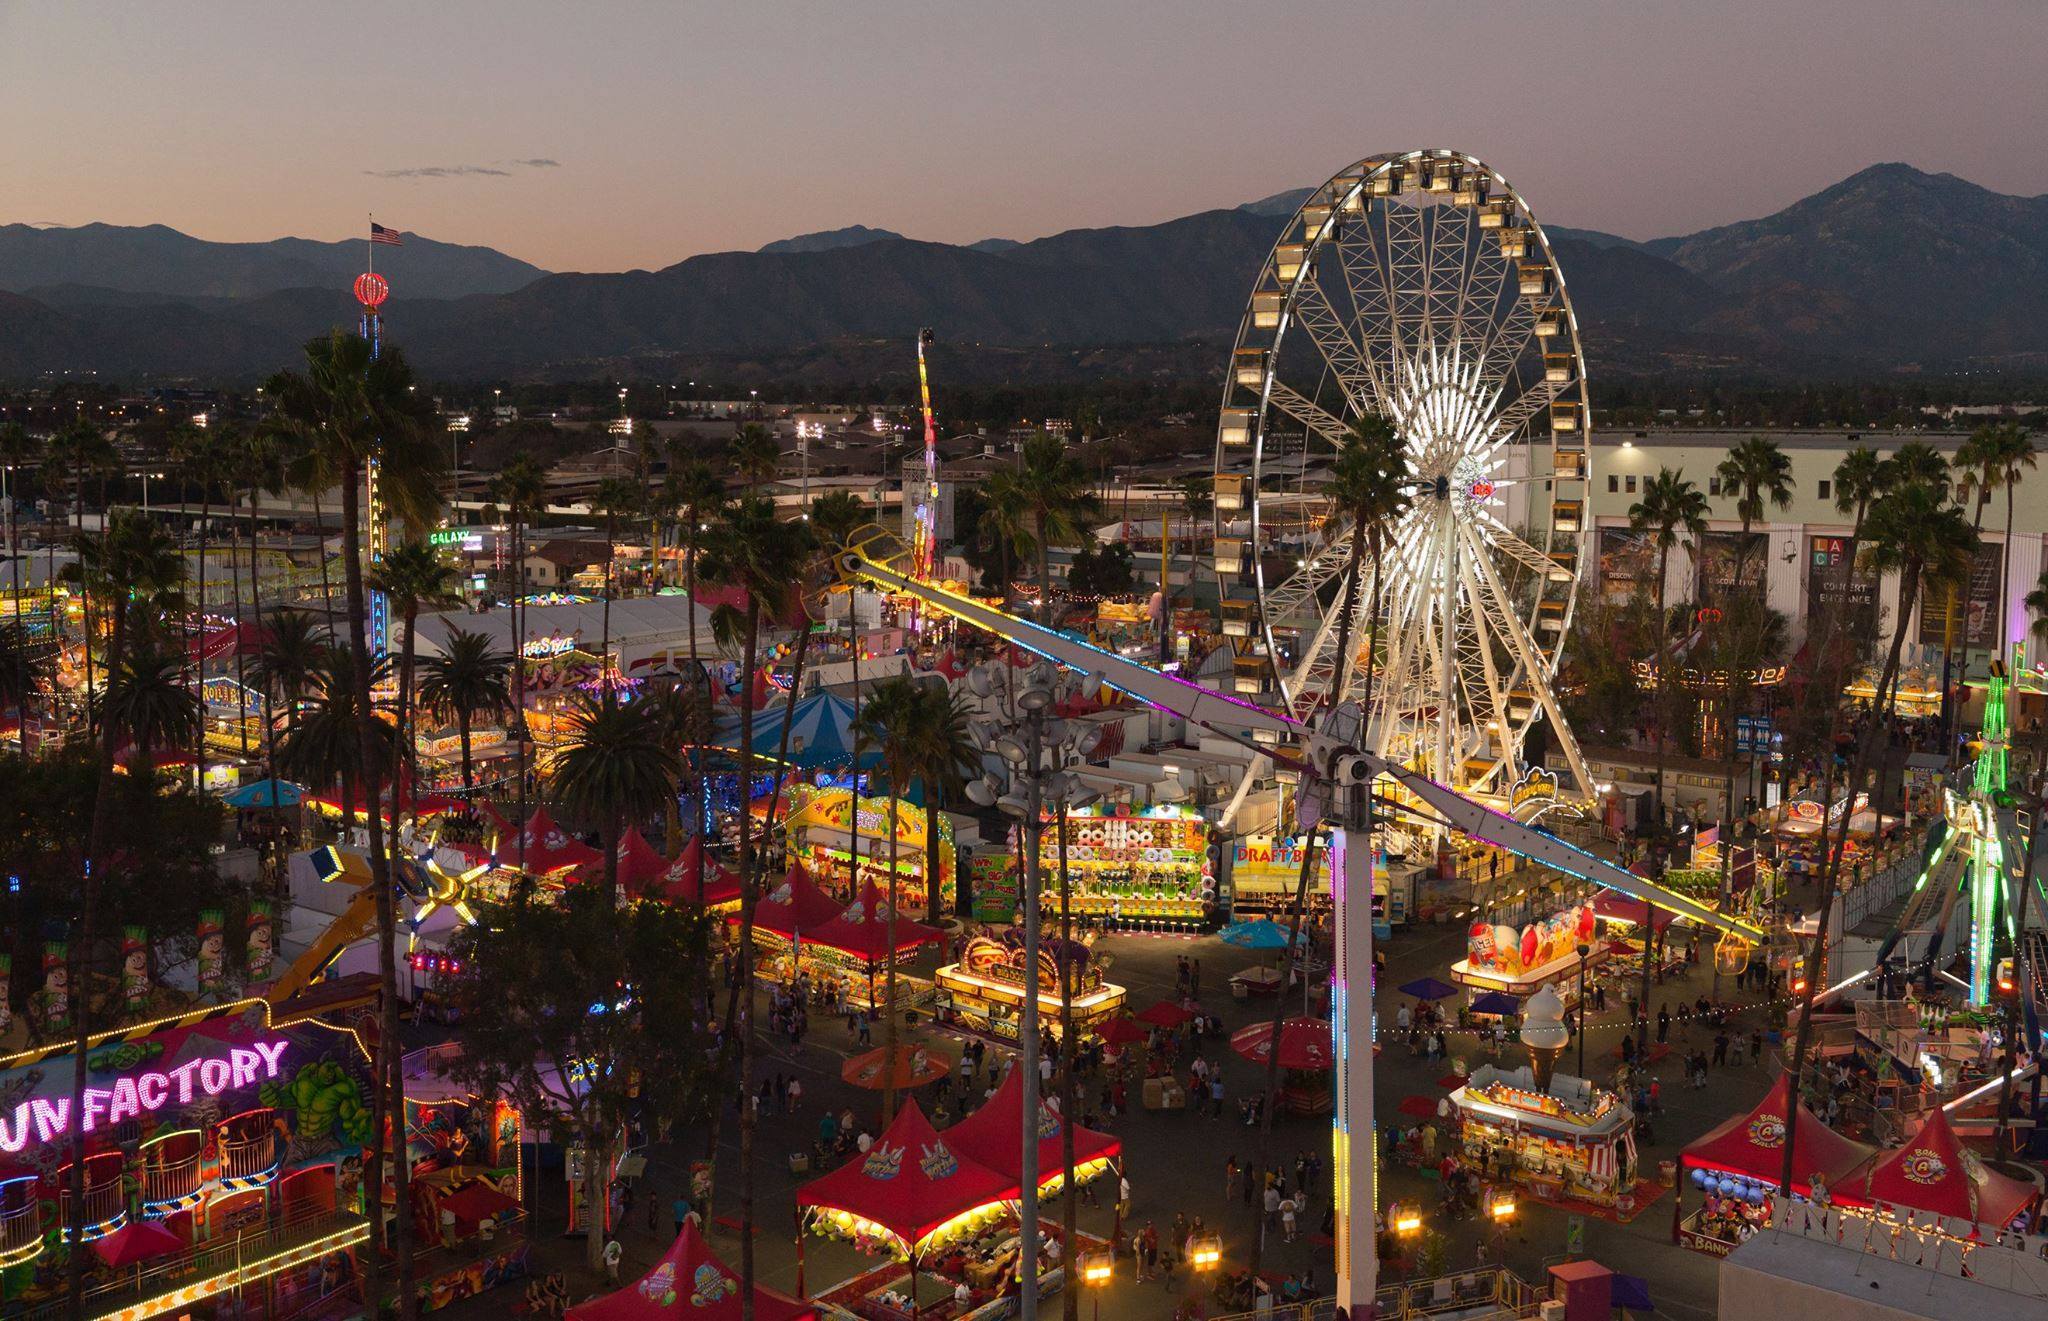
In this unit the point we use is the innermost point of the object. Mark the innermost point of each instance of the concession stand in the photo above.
(1144, 867)
(994, 1136)
(827, 827)
(852, 946)
(1567, 1141)
(1738, 1164)
(1933, 1182)
(1522, 961)
(984, 992)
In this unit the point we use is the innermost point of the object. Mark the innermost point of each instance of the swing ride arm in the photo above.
(872, 557)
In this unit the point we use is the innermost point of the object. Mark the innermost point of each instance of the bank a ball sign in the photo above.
(42, 1120)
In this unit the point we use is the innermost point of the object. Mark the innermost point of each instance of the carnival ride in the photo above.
(1419, 288)
(924, 548)
(1337, 771)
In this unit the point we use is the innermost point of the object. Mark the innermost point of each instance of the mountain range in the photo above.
(1890, 269)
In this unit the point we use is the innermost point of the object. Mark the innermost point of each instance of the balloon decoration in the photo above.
(1502, 950)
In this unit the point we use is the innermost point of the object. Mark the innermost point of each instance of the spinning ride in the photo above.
(1419, 288)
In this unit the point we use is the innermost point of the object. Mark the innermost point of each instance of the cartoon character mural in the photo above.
(6, 992)
(134, 967)
(53, 1001)
(1504, 951)
(261, 941)
(213, 960)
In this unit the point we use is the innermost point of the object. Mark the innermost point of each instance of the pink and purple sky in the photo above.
(600, 136)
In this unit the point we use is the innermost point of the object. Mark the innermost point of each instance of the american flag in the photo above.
(379, 234)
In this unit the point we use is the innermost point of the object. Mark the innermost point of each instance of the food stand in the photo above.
(1570, 1140)
(852, 947)
(984, 992)
(1521, 962)
(1145, 868)
(994, 1136)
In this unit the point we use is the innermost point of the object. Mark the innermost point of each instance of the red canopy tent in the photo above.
(641, 866)
(136, 1242)
(689, 1283)
(1753, 1145)
(910, 1182)
(475, 1202)
(1933, 1173)
(1164, 1014)
(1120, 1031)
(695, 879)
(549, 848)
(862, 929)
(1621, 908)
(994, 1136)
(797, 907)
(1304, 1043)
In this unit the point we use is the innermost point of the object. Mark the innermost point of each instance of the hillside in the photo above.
(1889, 269)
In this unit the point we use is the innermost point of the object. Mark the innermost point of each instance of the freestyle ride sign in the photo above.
(46, 1119)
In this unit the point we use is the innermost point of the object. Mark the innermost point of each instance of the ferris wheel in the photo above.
(1418, 287)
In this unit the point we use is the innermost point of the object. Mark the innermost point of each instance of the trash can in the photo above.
(1667, 1173)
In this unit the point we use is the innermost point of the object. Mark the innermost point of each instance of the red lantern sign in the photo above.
(1480, 489)
(372, 289)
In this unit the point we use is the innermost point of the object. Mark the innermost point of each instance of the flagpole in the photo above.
(371, 244)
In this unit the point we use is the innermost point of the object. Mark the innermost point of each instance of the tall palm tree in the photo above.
(747, 548)
(1005, 527)
(1197, 502)
(260, 467)
(413, 576)
(615, 767)
(357, 406)
(291, 650)
(888, 725)
(1060, 502)
(148, 702)
(2012, 454)
(1755, 471)
(619, 500)
(944, 756)
(1993, 457)
(1917, 533)
(1670, 505)
(755, 455)
(696, 493)
(74, 457)
(470, 677)
(18, 451)
(323, 748)
(521, 488)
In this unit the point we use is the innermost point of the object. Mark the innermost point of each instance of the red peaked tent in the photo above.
(641, 865)
(862, 929)
(994, 1136)
(689, 1283)
(910, 1182)
(1933, 1173)
(797, 907)
(686, 882)
(1753, 1145)
(549, 848)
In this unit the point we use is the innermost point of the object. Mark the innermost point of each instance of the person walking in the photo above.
(1230, 1173)
(680, 1211)
(1216, 1094)
(1287, 1208)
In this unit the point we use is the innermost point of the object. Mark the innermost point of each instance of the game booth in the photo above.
(945, 1222)
(1568, 1142)
(689, 1283)
(822, 837)
(1307, 1054)
(983, 993)
(1521, 962)
(1737, 1167)
(1145, 868)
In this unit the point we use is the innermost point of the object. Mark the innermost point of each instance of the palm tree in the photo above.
(750, 550)
(18, 450)
(413, 576)
(695, 492)
(614, 767)
(1197, 502)
(73, 457)
(2011, 451)
(944, 756)
(618, 498)
(323, 748)
(291, 650)
(1005, 527)
(887, 724)
(470, 677)
(260, 456)
(1918, 534)
(1670, 504)
(521, 488)
(148, 701)
(755, 455)
(357, 406)
(1059, 501)
(1991, 458)
(1754, 472)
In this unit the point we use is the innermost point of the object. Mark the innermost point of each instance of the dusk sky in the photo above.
(598, 136)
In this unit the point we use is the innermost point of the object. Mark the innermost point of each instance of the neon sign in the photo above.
(555, 645)
(46, 1119)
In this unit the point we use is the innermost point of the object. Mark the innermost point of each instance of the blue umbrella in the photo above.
(1496, 1002)
(1632, 1292)
(1259, 933)
(1429, 988)
(258, 794)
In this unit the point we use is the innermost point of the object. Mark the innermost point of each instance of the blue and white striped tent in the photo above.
(821, 737)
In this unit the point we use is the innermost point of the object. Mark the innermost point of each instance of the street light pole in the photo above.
(1583, 950)
(1034, 703)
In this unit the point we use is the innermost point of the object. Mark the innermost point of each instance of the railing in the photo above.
(1500, 1291)
(251, 1255)
(248, 1161)
(169, 1182)
(21, 1225)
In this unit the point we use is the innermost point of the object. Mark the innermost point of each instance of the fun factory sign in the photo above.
(45, 1119)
